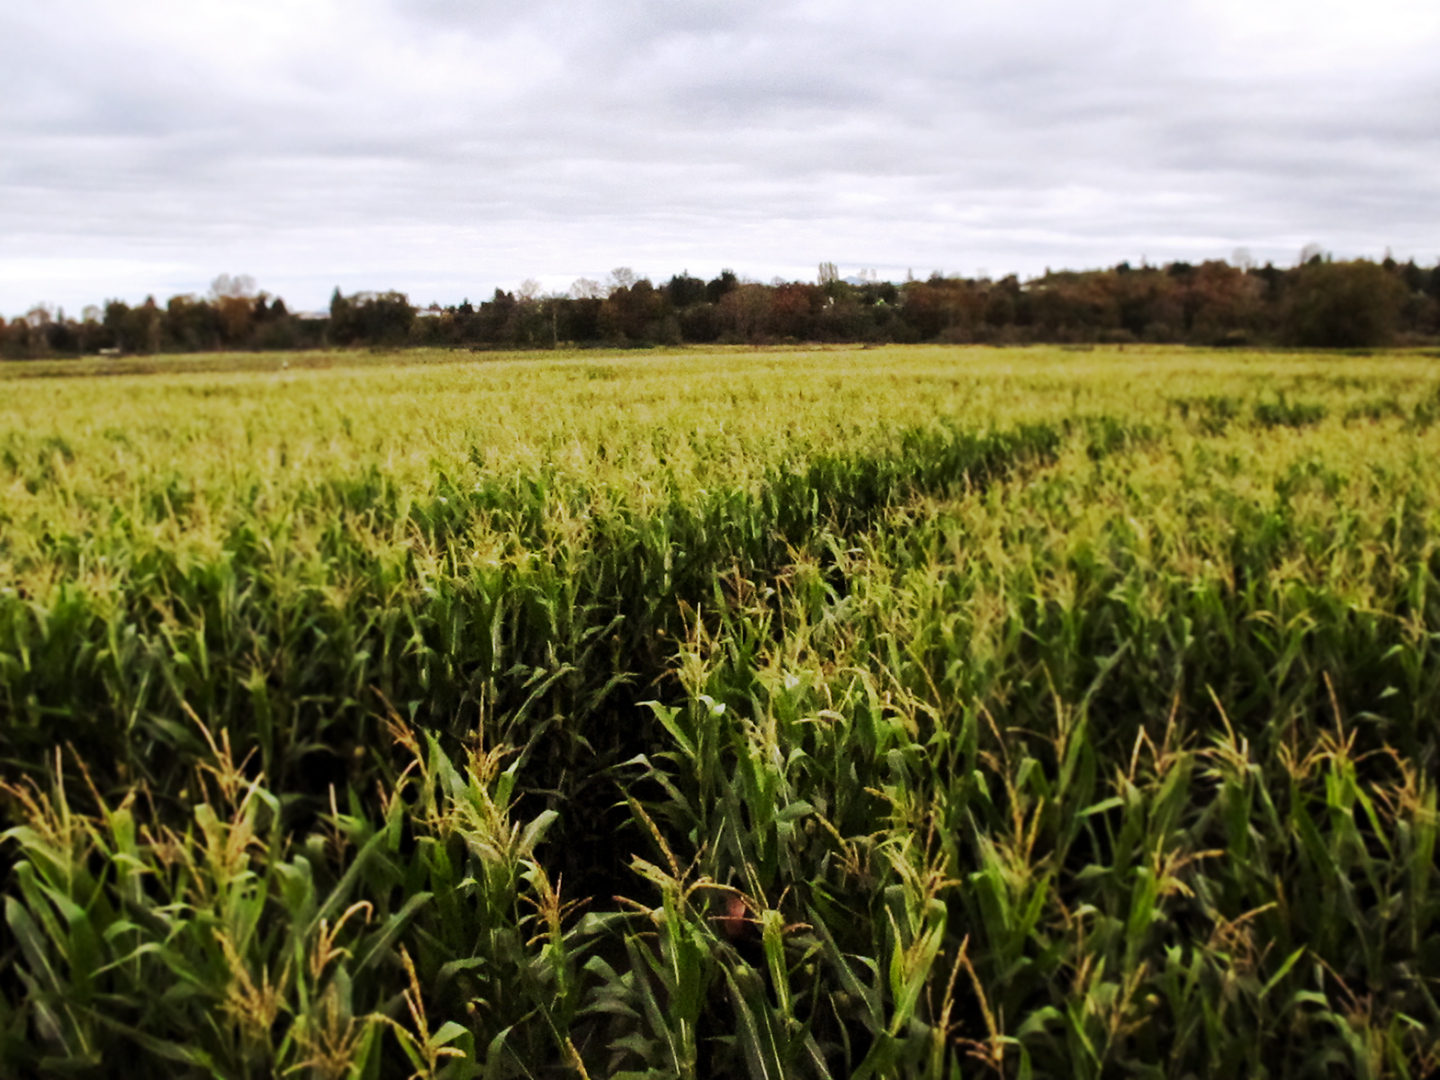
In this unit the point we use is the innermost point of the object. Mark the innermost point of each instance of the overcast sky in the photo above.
(446, 147)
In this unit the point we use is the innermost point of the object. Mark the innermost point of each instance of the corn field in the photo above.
(904, 712)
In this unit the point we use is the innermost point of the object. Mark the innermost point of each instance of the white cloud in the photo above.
(1321, 36)
(446, 147)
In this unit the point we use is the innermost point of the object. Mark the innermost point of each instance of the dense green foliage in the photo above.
(897, 712)
(1357, 304)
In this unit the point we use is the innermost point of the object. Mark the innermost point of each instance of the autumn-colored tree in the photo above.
(14, 340)
(745, 313)
(793, 309)
(1150, 303)
(1070, 306)
(1221, 302)
(234, 316)
(944, 309)
(1317, 303)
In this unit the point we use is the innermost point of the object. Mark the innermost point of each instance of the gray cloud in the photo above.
(446, 147)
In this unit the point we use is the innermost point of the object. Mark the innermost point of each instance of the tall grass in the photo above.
(905, 712)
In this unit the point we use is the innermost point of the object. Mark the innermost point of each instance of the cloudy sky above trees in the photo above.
(446, 147)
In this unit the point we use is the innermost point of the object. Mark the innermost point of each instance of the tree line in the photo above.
(1321, 303)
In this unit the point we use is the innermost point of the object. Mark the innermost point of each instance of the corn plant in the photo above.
(906, 712)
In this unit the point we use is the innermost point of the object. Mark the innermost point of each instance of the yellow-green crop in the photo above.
(851, 712)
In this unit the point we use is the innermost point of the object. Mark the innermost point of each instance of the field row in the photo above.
(866, 714)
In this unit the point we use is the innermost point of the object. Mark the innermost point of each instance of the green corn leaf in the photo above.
(1281, 972)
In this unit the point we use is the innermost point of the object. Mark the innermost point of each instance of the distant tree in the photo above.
(1070, 306)
(235, 317)
(700, 323)
(339, 329)
(844, 317)
(719, 286)
(579, 319)
(875, 291)
(240, 286)
(745, 313)
(63, 336)
(1274, 279)
(945, 309)
(1149, 304)
(499, 318)
(14, 339)
(925, 307)
(274, 326)
(152, 324)
(1005, 304)
(622, 277)
(191, 324)
(89, 333)
(682, 290)
(793, 309)
(390, 317)
(1343, 305)
(125, 332)
(1413, 277)
(370, 318)
(1222, 304)
(37, 323)
(633, 312)
(533, 322)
